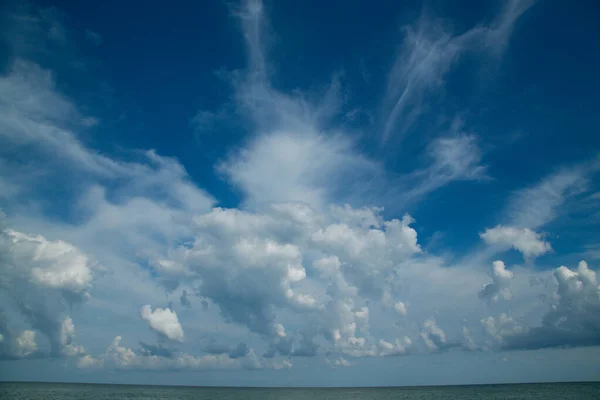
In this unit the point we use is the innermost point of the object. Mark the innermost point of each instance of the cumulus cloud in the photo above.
(468, 342)
(574, 317)
(399, 347)
(401, 308)
(246, 274)
(89, 362)
(26, 343)
(436, 340)
(16, 345)
(53, 264)
(164, 322)
(528, 242)
(67, 336)
(500, 286)
(120, 357)
(251, 266)
(340, 362)
(501, 327)
(433, 336)
(43, 277)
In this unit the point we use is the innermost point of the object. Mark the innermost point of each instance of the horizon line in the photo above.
(303, 387)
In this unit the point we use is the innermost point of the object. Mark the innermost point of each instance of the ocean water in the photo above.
(65, 391)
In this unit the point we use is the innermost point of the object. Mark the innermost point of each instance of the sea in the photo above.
(68, 391)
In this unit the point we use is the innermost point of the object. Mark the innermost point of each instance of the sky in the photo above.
(289, 193)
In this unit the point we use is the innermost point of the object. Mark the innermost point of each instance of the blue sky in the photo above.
(296, 194)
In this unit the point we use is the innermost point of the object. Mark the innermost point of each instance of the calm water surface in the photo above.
(60, 391)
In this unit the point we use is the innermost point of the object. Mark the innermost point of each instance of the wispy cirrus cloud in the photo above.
(456, 157)
(539, 204)
(294, 153)
(428, 54)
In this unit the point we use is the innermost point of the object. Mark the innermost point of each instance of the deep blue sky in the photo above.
(479, 119)
(157, 66)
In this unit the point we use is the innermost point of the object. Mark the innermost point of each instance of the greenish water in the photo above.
(64, 391)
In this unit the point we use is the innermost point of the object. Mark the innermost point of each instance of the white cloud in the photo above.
(164, 322)
(500, 286)
(252, 277)
(456, 157)
(468, 341)
(502, 326)
(399, 347)
(245, 270)
(43, 278)
(501, 29)
(34, 113)
(328, 266)
(541, 203)
(364, 217)
(37, 117)
(340, 362)
(87, 362)
(293, 155)
(26, 343)
(401, 308)
(429, 51)
(67, 335)
(119, 357)
(67, 332)
(574, 317)
(16, 345)
(54, 264)
(296, 164)
(397, 238)
(433, 336)
(528, 242)
(280, 330)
